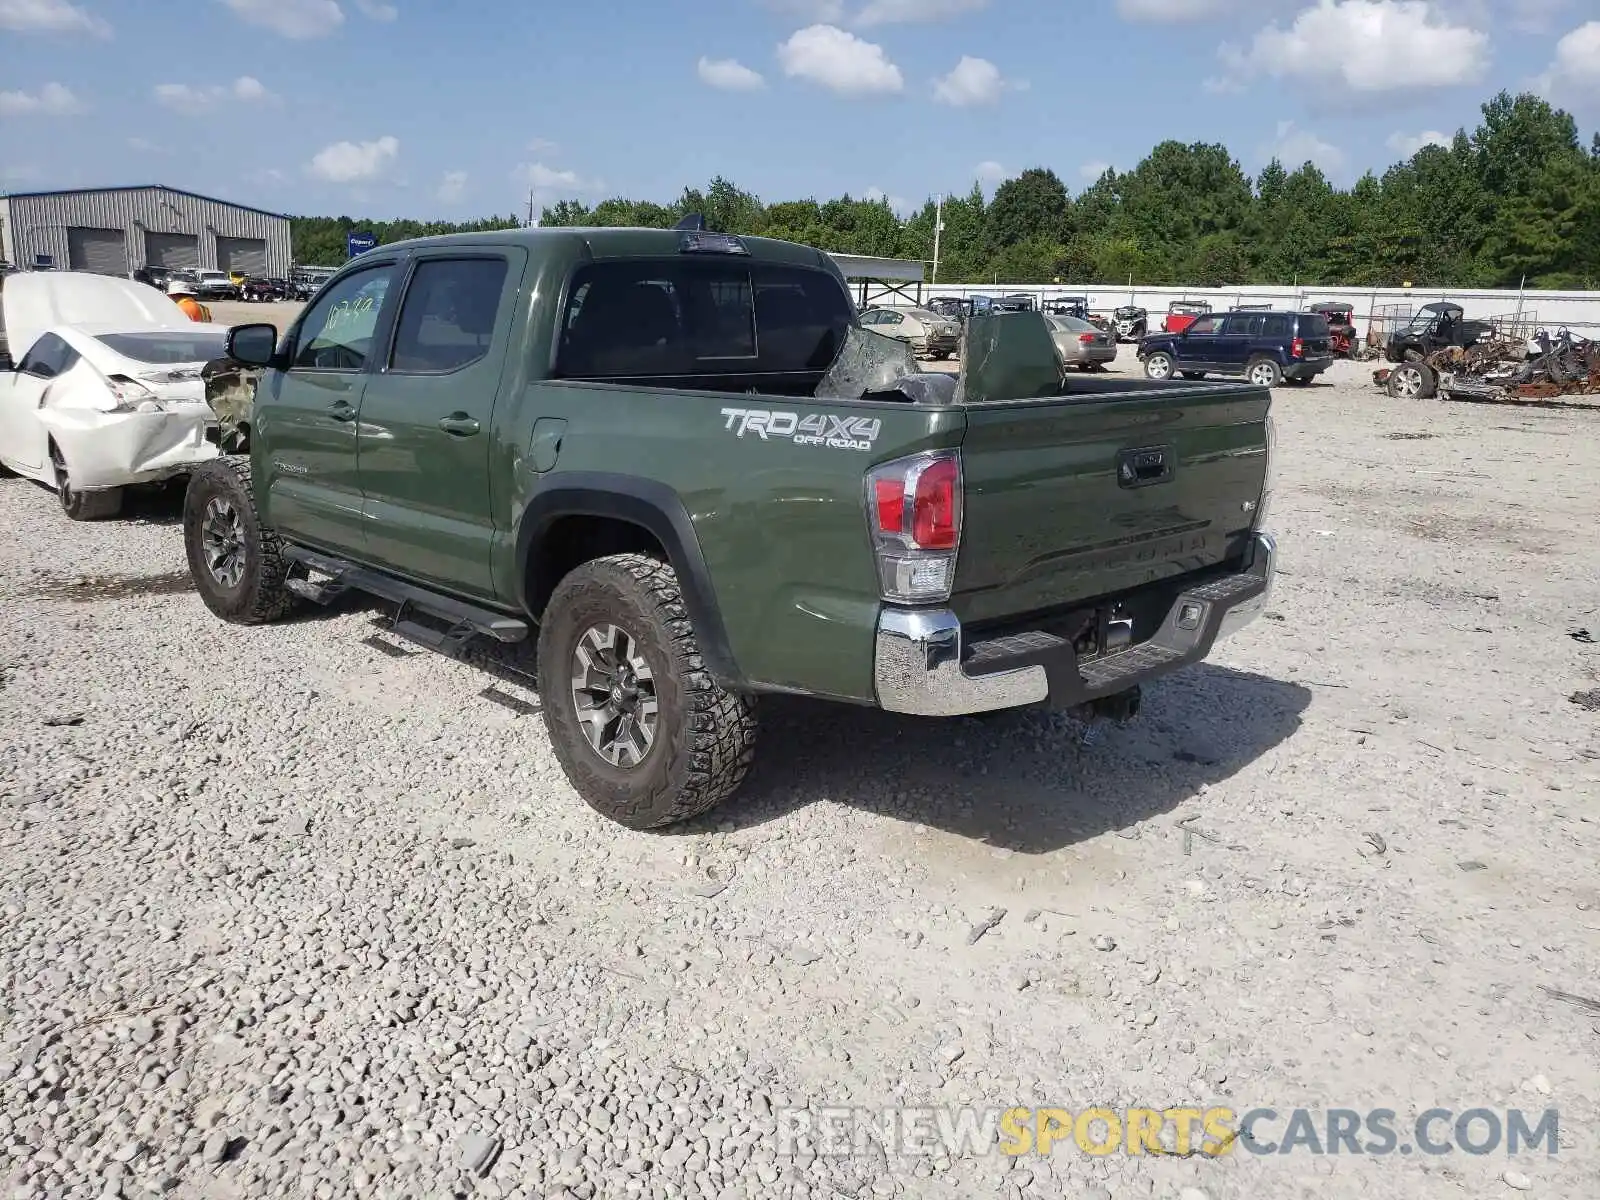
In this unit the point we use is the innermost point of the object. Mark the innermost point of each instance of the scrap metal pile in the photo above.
(1501, 369)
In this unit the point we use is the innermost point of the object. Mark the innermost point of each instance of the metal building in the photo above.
(115, 231)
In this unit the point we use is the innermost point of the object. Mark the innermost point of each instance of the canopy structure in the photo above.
(897, 276)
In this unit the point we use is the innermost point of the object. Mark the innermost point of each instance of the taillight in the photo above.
(1298, 349)
(914, 510)
(1086, 338)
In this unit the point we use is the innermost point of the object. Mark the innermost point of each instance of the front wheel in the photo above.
(1158, 365)
(644, 733)
(1263, 372)
(237, 563)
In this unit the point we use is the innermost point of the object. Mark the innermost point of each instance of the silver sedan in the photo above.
(1082, 345)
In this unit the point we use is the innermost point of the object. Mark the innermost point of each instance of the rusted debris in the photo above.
(1500, 368)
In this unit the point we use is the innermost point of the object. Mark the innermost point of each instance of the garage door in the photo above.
(248, 256)
(172, 250)
(103, 251)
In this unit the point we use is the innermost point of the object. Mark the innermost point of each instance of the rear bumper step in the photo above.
(923, 668)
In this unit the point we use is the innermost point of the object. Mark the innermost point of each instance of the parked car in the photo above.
(929, 334)
(1131, 322)
(105, 391)
(1082, 344)
(814, 517)
(259, 287)
(1263, 347)
(1067, 306)
(953, 308)
(1182, 313)
(215, 285)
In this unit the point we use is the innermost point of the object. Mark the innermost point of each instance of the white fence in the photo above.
(1577, 311)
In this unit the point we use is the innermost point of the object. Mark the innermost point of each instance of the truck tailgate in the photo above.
(1075, 497)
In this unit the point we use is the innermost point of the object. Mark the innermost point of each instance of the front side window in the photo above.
(49, 357)
(693, 318)
(337, 333)
(448, 316)
(1206, 325)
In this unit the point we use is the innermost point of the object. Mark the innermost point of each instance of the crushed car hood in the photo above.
(35, 301)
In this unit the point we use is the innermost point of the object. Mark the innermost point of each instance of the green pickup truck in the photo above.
(678, 461)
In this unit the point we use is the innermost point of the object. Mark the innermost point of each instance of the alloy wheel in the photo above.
(222, 539)
(614, 693)
(1407, 382)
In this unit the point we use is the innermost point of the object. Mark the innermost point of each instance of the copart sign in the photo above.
(804, 429)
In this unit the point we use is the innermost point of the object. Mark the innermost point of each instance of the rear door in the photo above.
(1073, 498)
(304, 443)
(424, 438)
(1235, 343)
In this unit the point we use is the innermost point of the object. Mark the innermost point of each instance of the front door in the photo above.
(1196, 346)
(304, 446)
(426, 434)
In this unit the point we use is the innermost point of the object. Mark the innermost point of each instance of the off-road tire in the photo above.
(83, 506)
(705, 735)
(1271, 372)
(260, 594)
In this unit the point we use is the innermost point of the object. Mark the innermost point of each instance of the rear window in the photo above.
(1313, 325)
(693, 318)
(166, 348)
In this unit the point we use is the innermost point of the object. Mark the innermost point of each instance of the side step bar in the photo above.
(465, 619)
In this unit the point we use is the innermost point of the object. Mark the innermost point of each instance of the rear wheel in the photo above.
(83, 506)
(644, 733)
(1411, 381)
(1263, 372)
(1158, 365)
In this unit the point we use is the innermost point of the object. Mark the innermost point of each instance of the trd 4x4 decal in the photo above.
(811, 429)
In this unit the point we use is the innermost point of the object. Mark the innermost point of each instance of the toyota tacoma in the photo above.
(676, 462)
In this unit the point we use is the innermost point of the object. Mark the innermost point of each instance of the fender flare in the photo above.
(653, 507)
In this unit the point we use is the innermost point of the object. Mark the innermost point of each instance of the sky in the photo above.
(418, 108)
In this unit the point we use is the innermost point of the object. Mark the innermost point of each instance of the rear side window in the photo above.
(447, 318)
(49, 357)
(1277, 325)
(1249, 324)
(659, 319)
(1313, 325)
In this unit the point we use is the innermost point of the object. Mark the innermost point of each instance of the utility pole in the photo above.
(530, 208)
(938, 228)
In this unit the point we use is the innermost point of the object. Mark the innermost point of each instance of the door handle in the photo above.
(459, 424)
(342, 411)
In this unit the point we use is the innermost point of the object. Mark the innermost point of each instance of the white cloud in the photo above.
(1091, 171)
(898, 204)
(973, 81)
(52, 100)
(1574, 73)
(990, 173)
(1173, 10)
(1365, 46)
(298, 19)
(549, 184)
(377, 11)
(1294, 146)
(840, 62)
(50, 16)
(351, 162)
(906, 12)
(1407, 144)
(542, 146)
(452, 187)
(729, 74)
(187, 98)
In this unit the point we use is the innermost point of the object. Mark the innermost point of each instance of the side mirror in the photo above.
(253, 345)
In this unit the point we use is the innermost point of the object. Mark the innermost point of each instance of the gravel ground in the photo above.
(297, 911)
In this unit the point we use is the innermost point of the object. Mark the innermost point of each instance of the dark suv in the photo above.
(1263, 347)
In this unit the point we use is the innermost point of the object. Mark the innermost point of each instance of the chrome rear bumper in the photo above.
(922, 666)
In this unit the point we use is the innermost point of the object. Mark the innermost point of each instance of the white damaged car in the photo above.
(100, 387)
